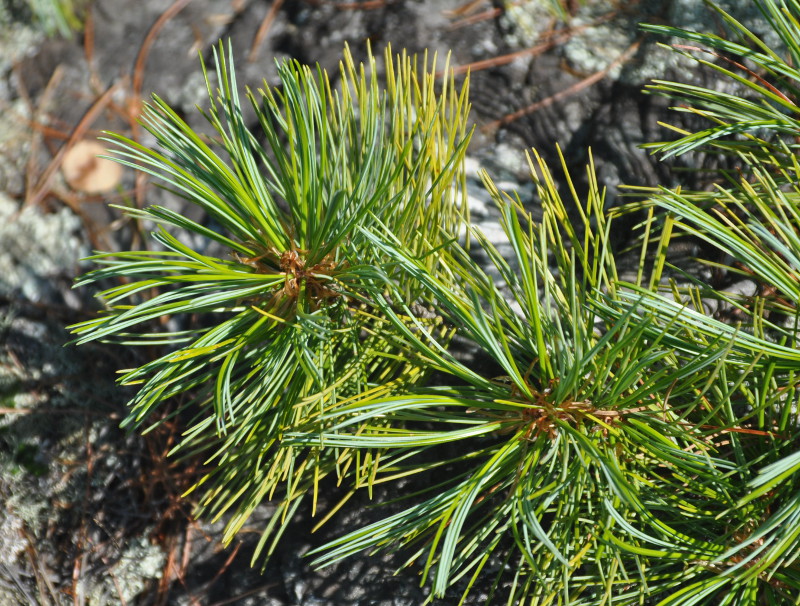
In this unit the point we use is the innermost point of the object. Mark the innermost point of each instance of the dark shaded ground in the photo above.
(93, 515)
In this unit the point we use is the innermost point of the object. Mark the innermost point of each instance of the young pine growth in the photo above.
(279, 329)
(561, 455)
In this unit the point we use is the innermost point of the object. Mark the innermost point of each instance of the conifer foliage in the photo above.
(624, 447)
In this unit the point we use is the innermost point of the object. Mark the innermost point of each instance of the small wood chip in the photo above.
(85, 172)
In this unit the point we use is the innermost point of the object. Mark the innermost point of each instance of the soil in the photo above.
(93, 515)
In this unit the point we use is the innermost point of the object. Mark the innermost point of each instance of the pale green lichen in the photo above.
(603, 31)
(597, 47)
(140, 563)
(12, 540)
(15, 138)
(16, 43)
(525, 22)
(37, 247)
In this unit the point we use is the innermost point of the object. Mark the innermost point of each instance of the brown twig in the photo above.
(365, 5)
(737, 64)
(567, 92)
(472, 19)
(147, 43)
(499, 60)
(186, 556)
(549, 40)
(225, 566)
(42, 577)
(263, 29)
(88, 52)
(138, 82)
(37, 115)
(168, 574)
(36, 194)
(508, 58)
(467, 8)
(118, 587)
